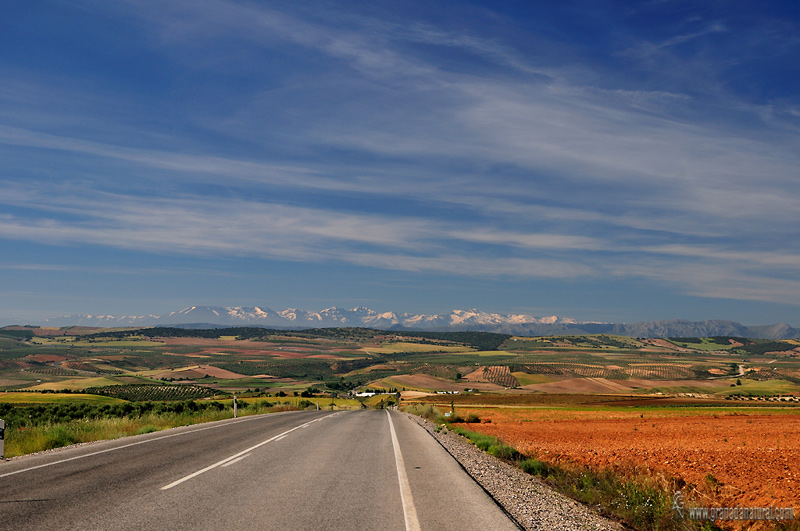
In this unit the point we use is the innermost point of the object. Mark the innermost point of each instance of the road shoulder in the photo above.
(532, 503)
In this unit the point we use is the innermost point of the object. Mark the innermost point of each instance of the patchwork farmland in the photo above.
(598, 402)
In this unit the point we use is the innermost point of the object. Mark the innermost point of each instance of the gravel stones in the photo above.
(532, 503)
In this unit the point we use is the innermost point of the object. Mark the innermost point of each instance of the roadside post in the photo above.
(234, 406)
(2, 437)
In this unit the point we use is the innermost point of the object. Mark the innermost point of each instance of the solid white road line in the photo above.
(235, 461)
(187, 432)
(242, 453)
(409, 510)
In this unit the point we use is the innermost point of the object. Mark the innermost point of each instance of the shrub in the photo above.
(427, 411)
(536, 468)
(503, 451)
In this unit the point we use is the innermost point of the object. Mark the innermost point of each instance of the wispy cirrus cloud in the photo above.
(393, 142)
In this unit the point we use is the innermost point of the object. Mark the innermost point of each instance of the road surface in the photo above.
(368, 469)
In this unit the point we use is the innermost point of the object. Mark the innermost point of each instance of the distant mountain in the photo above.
(457, 320)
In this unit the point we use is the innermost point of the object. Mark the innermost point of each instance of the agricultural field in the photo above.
(718, 455)
(717, 416)
(56, 398)
(341, 360)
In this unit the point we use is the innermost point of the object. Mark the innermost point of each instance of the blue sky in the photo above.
(613, 161)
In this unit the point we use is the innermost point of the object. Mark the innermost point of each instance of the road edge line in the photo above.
(468, 473)
(409, 510)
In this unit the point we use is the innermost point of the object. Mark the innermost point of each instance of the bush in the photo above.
(429, 412)
(503, 451)
(535, 467)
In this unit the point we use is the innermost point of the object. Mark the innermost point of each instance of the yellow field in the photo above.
(491, 353)
(392, 347)
(50, 398)
(375, 400)
(75, 384)
(528, 379)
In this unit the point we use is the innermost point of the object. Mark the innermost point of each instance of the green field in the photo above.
(94, 343)
(765, 388)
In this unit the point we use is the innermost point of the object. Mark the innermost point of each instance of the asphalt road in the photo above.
(365, 469)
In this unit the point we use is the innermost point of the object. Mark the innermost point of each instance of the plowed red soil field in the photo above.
(753, 459)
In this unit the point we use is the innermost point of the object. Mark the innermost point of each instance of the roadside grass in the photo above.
(426, 411)
(639, 500)
(33, 439)
(47, 436)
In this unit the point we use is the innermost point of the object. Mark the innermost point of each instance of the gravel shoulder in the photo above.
(532, 503)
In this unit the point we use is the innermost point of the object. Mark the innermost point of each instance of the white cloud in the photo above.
(534, 173)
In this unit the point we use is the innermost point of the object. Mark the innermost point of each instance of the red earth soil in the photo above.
(754, 459)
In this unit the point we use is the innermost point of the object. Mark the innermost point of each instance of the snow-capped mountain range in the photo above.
(456, 320)
(297, 318)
